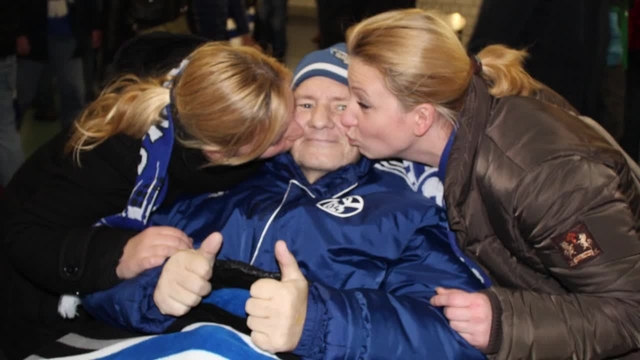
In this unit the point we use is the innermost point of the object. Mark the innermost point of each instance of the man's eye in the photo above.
(341, 107)
(305, 105)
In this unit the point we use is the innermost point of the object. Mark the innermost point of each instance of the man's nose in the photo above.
(321, 118)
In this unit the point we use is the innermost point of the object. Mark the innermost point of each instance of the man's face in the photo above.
(324, 146)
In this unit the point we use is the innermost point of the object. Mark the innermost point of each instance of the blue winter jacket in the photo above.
(373, 255)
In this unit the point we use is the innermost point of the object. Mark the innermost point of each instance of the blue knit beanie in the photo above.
(331, 62)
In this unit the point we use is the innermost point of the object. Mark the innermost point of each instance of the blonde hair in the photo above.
(225, 98)
(423, 61)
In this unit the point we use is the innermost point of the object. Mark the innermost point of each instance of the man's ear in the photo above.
(424, 116)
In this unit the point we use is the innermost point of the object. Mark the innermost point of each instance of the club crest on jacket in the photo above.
(577, 245)
(345, 207)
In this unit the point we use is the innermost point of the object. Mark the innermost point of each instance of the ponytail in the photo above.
(129, 106)
(503, 70)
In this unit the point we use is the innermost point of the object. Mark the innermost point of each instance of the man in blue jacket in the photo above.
(359, 263)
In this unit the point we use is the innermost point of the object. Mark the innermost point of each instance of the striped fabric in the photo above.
(196, 341)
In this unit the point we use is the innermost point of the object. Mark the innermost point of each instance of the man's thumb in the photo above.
(211, 245)
(288, 264)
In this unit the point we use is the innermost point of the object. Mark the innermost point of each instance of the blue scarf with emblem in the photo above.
(155, 154)
(152, 181)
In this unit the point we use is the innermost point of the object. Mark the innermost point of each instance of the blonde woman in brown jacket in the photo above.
(537, 197)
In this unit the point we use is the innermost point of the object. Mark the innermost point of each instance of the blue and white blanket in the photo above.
(196, 341)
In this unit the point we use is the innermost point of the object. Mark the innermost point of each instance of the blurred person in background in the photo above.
(58, 33)
(10, 146)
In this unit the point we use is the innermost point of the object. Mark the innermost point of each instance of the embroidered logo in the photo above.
(577, 245)
(340, 55)
(345, 207)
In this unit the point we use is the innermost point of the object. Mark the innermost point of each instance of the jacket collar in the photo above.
(472, 123)
(285, 169)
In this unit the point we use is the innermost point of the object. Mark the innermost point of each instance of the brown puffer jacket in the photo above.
(550, 209)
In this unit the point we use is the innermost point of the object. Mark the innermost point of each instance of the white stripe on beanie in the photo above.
(320, 66)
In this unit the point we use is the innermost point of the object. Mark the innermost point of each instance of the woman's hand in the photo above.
(469, 314)
(185, 278)
(149, 249)
(277, 309)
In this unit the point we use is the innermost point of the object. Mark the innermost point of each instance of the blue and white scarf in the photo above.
(152, 182)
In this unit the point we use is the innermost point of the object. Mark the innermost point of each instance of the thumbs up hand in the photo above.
(277, 309)
(185, 278)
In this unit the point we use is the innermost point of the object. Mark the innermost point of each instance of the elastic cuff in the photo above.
(315, 326)
(495, 337)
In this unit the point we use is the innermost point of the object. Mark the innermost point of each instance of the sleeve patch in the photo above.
(577, 245)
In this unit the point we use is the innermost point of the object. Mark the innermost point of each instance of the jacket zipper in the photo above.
(273, 216)
(284, 199)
